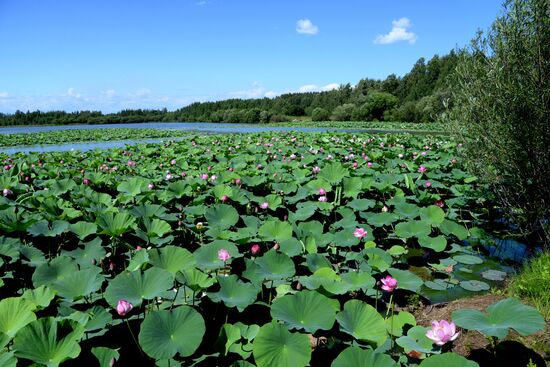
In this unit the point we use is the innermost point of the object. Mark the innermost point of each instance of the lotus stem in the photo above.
(133, 337)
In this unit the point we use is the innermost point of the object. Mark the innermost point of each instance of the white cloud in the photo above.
(305, 26)
(4, 95)
(308, 88)
(270, 94)
(201, 3)
(331, 86)
(315, 88)
(71, 92)
(399, 32)
(108, 94)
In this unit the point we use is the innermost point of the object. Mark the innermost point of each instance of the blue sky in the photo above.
(114, 54)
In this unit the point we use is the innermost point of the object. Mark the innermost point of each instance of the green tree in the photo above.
(320, 114)
(502, 110)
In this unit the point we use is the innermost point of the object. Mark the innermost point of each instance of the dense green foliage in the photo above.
(532, 283)
(419, 96)
(83, 231)
(502, 109)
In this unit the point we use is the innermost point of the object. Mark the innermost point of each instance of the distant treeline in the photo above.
(419, 96)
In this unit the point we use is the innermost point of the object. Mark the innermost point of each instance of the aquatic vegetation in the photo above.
(217, 250)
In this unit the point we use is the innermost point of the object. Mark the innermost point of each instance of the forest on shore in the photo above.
(421, 96)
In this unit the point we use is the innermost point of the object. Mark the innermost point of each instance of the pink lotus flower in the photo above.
(123, 307)
(421, 169)
(369, 164)
(442, 332)
(172, 162)
(86, 182)
(7, 192)
(224, 198)
(223, 255)
(389, 283)
(150, 186)
(359, 232)
(428, 184)
(168, 176)
(204, 176)
(255, 249)
(323, 199)
(316, 170)
(440, 203)
(322, 191)
(131, 163)
(264, 205)
(238, 181)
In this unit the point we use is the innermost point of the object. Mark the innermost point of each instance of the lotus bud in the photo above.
(123, 307)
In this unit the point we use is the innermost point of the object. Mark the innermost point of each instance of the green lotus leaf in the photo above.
(60, 268)
(155, 228)
(79, 283)
(105, 356)
(380, 219)
(378, 258)
(357, 357)
(115, 225)
(271, 266)
(437, 244)
(59, 187)
(88, 253)
(172, 259)
(358, 280)
(139, 258)
(222, 216)
(499, 317)
(15, 313)
(207, 256)
(275, 230)
(306, 310)
(361, 204)
(474, 285)
(9, 247)
(447, 360)
(41, 296)
(275, 346)
(166, 333)
(43, 228)
(83, 229)
(416, 340)
(195, 279)
(432, 215)
(49, 342)
(438, 284)
(235, 293)
(407, 210)
(449, 227)
(413, 228)
(363, 322)
(406, 279)
(352, 186)
(316, 262)
(133, 186)
(7, 359)
(395, 323)
(495, 275)
(333, 173)
(135, 286)
(468, 259)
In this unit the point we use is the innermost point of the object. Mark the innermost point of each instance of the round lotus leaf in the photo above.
(437, 244)
(395, 323)
(415, 228)
(495, 275)
(172, 259)
(235, 293)
(433, 215)
(447, 360)
(474, 285)
(15, 313)
(136, 286)
(276, 346)
(306, 310)
(222, 216)
(406, 279)
(207, 256)
(468, 259)
(417, 340)
(363, 322)
(271, 266)
(105, 356)
(438, 284)
(501, 316)
(49, 342)
(167, 332)
(275, 230)
(358, 357)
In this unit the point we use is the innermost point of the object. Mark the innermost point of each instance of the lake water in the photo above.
(206, 127)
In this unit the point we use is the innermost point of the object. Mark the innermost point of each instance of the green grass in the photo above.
(533, 283)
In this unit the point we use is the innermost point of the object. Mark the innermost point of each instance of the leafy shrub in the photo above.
(502, 110)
